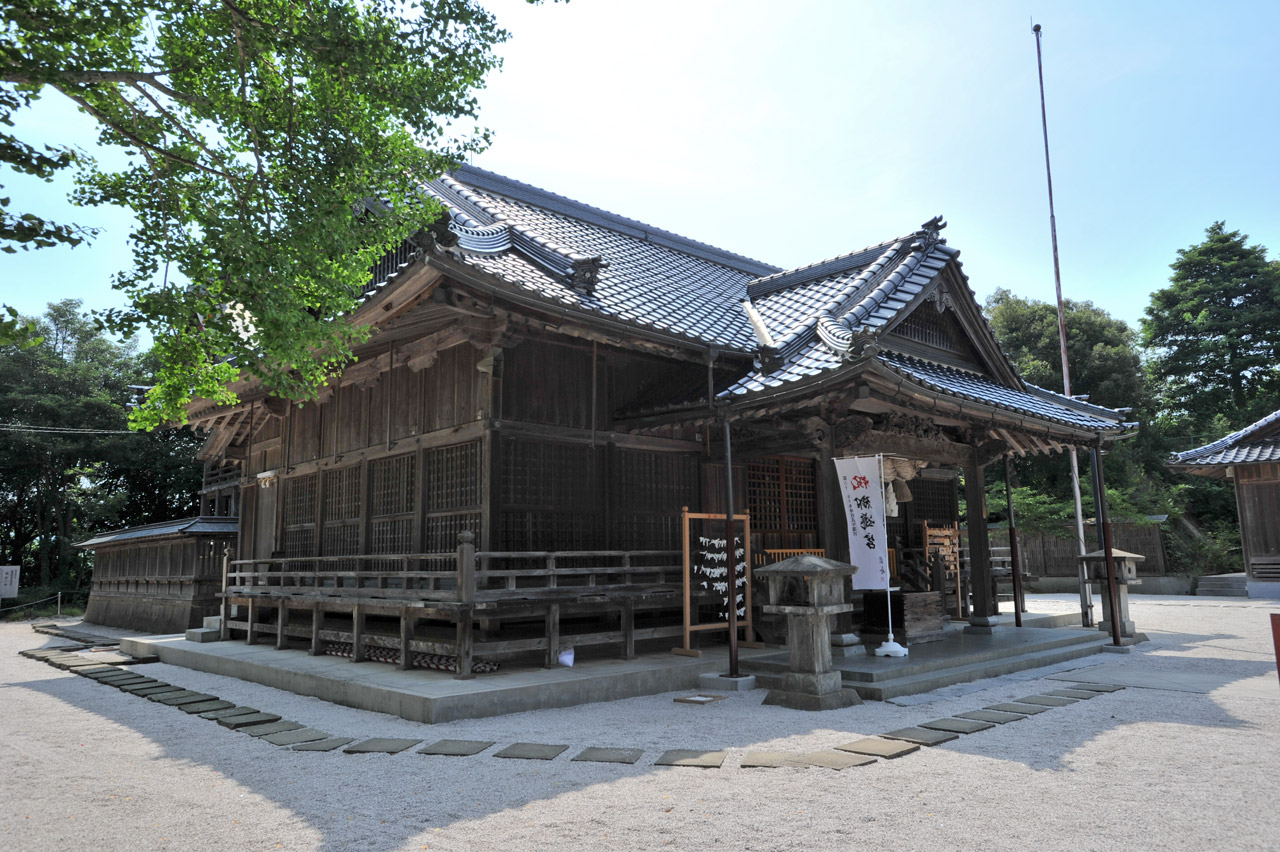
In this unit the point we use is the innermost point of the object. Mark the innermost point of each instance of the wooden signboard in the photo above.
(706, 566)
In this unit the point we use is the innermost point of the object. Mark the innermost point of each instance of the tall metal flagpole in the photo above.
(1086, 602)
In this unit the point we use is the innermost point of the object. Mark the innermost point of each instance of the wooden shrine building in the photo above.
(503, 470)
(1250, 458)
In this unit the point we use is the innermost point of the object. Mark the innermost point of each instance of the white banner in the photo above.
(9, 581)
(863, 492)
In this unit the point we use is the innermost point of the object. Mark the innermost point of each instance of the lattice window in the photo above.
(453, 495)
(551, 496)
(300, 516)
(340, 534)
(392, 485)
(453, 477)
(649, 490)
(782, 497)
(940, 330)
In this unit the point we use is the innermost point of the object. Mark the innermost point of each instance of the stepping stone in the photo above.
(184, 700)
(228, 711)
(140, 683)
(244, 720)
(1097, 687)
(113, 659)
(532, 751)
(95, 669)
(272, 728)
(836, 760)
(381, 745)
(120, 674)
(1018, 707)
(131, 680)
(324, 745)
(689, 757)
(1047, 700)
(997, 716)
(111, 672)
(610, 755)
(957, 726)
(301, 735)
(1078, 694)
(157, 689)
(456, 748)
(181, 693)
(877, 747)
(921, 736)
(766, 760)
(206, 706)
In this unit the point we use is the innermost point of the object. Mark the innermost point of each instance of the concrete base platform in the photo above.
(430, 696)
(959, 658)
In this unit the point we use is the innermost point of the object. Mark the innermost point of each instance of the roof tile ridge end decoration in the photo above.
(579, 270)
(773, 357)
(526, 193)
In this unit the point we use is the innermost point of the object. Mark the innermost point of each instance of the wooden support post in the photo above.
(985, 614)
(406, 634)
(249, 637)
(282, 626)
(463, 670)
(316, 618)
(628, 630)
(553, 634)
(357, 634)
(466, 567)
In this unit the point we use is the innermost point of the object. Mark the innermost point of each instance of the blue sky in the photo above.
(799, 131)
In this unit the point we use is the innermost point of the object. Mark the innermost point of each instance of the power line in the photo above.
(61, 430)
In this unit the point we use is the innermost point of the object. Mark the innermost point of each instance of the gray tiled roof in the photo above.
(1038, 402)
(203, 525)
(598, 263)
(641, 275)
(1257, 442)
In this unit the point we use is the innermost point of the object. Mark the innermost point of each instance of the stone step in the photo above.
(928, 681)
(855, 674)
(1223, 585)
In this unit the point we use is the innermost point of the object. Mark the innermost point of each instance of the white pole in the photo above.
(888, 648)
(59, 604)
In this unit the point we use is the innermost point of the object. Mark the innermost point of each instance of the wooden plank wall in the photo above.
(1258, 501)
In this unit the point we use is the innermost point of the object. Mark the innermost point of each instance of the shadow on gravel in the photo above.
(382, 802)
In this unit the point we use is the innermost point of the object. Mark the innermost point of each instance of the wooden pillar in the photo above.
(985, 616)
(406, 634)
(316, 619)
(357, 634)
(282, 626)
(249, 637)
(553, 634)
(463, 670)
(628, 630)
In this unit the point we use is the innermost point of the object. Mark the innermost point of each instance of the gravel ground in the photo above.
(90, 767)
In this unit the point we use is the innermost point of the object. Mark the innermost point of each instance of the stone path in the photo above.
(113, 670)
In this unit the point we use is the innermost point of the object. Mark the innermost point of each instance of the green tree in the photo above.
(1214, 336)
(68, 465)
(1105, 365)
(276, 150)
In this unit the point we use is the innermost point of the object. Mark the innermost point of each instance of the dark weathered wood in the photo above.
(282, 622)
(357, 634)
(317, 618)
(249, 637)
(406, 634)
(464, 645)
(553, 634)
(628, 630)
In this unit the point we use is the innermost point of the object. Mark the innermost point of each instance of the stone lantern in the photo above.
(808, 590)
(1126, 576)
